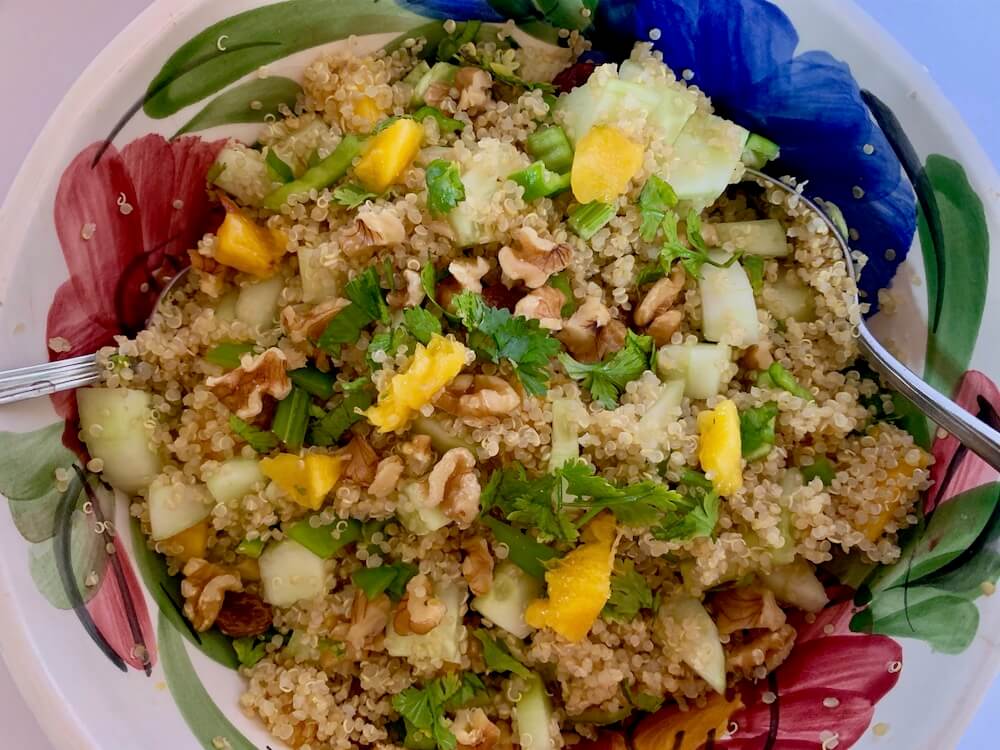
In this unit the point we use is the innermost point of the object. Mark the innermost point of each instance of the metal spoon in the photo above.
(62, 375)
(971, 432)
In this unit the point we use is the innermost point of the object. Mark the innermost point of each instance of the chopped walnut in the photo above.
(657, 311)
(419, 611)
(204, 589)
(468, 272)
(212, 275)
(747, 608)
(535, 259)
(368, 620)
(473, 86)
(591, 333)
(411, 295)
(664, 326)
(360, 460)
(768, 649)
(477, 567)
(372, 228)
(757, 357)
(419, 455)
(243, 389)
(474, 731)
(544, 305)
(308, 324)
(479, 396)
(453, 485)
(387, 475)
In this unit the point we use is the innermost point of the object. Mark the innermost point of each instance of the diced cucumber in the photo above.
(677, 103)
(290, 573)
(584, 107)
(319, 283)
(513, 590)
(443, 642)
(706, 158)
(441, 72)
(242, 172)
(691, 634)
(759, 151)
(116, 426)
(765, 237)
(704, 368)
(533, 717)
(651, 429)
(565, 432)
(234, 479)
(419, 71)
(797, 584)
(728, 309)
(483, 171)
(174, 508)
(790, 298)
(441, 439)
(225, 308)
(415, 516)
(325, 540)
(257, 304)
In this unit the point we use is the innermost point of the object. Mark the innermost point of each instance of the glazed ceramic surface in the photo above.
(112, 196)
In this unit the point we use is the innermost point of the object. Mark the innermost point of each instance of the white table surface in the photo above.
(46, 43)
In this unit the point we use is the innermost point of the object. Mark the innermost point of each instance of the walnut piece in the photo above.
(477, 567)
(372, 228)
(544, 305)
(768, 650)
(657, 311)
(204, 590)
(360, 460)
(747, 608)
(468, 272)
(411, 295)
(535, 259)
(664, 326)
(419, 455)
(368, 620)
(308, 324)
(387, 475)
(453, 485)
(591, 333)
(473, 86)
(757, 357)
(479, 396)
(473, 730)
(243, 389)
(419, 611)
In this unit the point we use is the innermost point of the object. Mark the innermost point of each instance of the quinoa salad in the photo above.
(503, 408)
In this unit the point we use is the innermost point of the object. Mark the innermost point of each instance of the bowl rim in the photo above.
(39, 689)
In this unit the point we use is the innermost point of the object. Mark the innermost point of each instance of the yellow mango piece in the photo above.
(891, 492)
(248, 568)
(366, 108)
(244, 245)
(389, 154)
(579, 585)
(603, 165)
(189, 543)
(720, 450)
(305, 479)
(673, 729)
(431, 369)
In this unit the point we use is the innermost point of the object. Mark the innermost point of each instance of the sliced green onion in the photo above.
(227, 354)
(551, 147)
(588, 219)
(324, 174)
(539, 182)
(327, 540)
(292, 418)
(250, 548)
(783, 379)
(313, 381)
(278, 169)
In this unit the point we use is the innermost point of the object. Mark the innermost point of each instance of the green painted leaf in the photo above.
(951, 530)
(234, 105)
(35, 519)
(203, 717)
(957, 274)
(199, 68)
(947, 622)
(89, 562)
(166, 590)
(28, 461)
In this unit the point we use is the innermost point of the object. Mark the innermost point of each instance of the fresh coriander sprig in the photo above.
(606, 380)
(367, 306)
(444, 186)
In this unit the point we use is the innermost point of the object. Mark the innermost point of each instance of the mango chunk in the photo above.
(891, 491)
(244, 245)
(190, 543)
(604, 164)
(719, 451)
(305, 479)
(389, 154)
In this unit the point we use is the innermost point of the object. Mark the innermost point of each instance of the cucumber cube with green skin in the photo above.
(565, 432)
(765, 237)
(115, 424)
(797, 584)
(704, 368)
(706, 159)
(481, 178)
(651, 429)
(442, 440)
(759, 151)
(533, 717)
(439, 73)
(790, 298)
(290, 573)
(443, 643)
(235, 479)
(690, 633)
(504, 604)
(174, 508)
(729, 310)
(257, 303)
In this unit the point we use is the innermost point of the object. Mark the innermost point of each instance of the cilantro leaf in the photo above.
(629, 594)
(444, 186)
(644, 503)
(249, 651)
(352, 195)
(365, 291)
(421, 324)
(260, 440)
(367, 305)
(757, 430)
(607, 379)
(326, 429)
(384, 341)
(696, 516)
(423, 709)
(693, 258)
(656, 198)
(496, 334)
(531, 503)
(497, 657)
(391, 579)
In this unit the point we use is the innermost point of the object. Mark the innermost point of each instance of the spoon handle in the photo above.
(971, 432)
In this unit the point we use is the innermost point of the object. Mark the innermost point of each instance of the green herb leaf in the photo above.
(656, 198)
(692, 478)
(423, 709)
(352, 195)
(606, 380)
(445, 124)
(421, 324)
(526, 553)
(757, 430)
(391, 579)
(629, 594)
(249, 650)
(444, 186)
(384, 341)
(531, 503)
(327, 429)
(497, 657)
(754, 266)
(260, 440)
(783, 379)
(643, 504)
(696, 515)
(228, 353)
(692, 258)
(496, 334)
(367, 305)
(313, 381)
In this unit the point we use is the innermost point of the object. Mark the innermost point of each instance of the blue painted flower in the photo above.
(742, 54)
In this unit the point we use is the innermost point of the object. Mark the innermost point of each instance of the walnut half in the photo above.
(479, 396)
(746, 608)
(453, 485)
(243, 389)
(591, 333)
(419, 611)
(474, 731)
(204, 590)
(535, 259)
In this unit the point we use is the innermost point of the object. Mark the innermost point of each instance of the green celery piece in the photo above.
(251, 548)
(324, 174)
(277, 168)
(758, 151)
(227, 354)
(783, 379)
(551, 147)
(327, 540)
(312, 381)
(539, 182)
(529, 555)
(373, 581)
(292, 418)
(587, 220)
